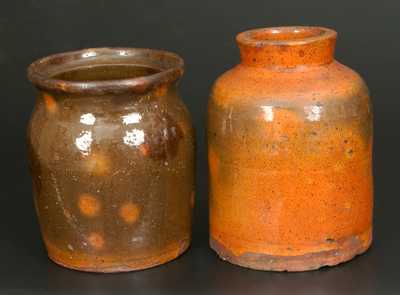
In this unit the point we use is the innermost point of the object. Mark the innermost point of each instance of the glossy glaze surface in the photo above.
(112, 158)
(290, 154)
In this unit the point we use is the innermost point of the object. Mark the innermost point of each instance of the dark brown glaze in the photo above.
(43, 73)
(163, 141)
(112, 158)
(290, 154)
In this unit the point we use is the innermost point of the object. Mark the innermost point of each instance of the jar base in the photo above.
(348, 249)
(104, 266)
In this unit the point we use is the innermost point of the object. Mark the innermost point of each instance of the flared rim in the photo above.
(170, 66)
(291, 35)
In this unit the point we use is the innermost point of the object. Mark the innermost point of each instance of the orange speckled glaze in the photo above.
(89, 205)
(290, 154)
(50, 103)
(129, 212)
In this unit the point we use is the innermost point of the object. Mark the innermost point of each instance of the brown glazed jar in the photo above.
(111, 150)
(290, 148)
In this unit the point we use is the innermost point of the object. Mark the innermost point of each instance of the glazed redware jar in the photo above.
(111, 154)
(290, 148)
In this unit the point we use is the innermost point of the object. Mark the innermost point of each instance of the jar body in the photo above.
(290, 155)
(113, 178)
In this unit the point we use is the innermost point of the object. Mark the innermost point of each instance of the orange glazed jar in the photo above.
(290, 154)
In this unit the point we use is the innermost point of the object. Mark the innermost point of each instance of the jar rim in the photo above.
(289, 35)
(170, 68)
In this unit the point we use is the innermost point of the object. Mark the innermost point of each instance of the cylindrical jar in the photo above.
(290, 154)
(111, 149)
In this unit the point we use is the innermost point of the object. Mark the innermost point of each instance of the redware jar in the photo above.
(290, 150)
(112, 160)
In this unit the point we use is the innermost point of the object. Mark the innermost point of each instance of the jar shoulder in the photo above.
(156, 128)
(244, 85)
(274, 107)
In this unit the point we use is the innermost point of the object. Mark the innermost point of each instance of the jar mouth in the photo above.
(48, 73)
(295, 35)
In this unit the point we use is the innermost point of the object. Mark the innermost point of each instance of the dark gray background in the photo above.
(202, 32)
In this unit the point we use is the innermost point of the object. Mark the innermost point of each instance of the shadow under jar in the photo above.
(111, 150)
(290, 154)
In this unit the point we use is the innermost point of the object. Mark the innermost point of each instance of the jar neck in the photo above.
(58, 102)
(287, 47)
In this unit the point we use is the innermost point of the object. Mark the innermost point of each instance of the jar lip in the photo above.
(170, 66)
(289, 36)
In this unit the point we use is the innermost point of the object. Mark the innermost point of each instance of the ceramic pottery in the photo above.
(111, 151)
(290, 149)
